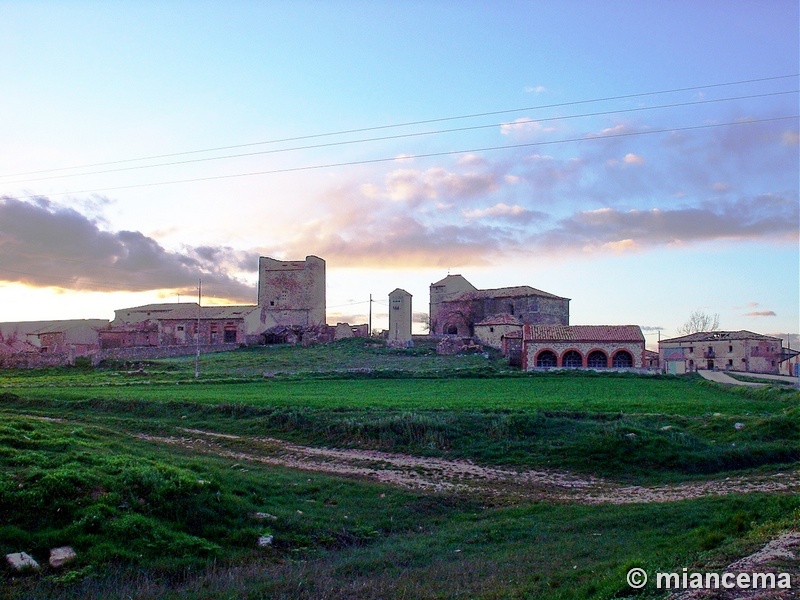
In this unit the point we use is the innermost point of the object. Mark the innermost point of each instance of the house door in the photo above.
(710, 365)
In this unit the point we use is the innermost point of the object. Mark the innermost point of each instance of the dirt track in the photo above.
(459, 476)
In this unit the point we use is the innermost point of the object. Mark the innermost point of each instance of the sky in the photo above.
(639, 158)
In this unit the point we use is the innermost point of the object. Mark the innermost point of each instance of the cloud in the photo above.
(633, 159)
(46, 244)
(535, 89)
(764, 217)
(790, 138)
(502, 211)
(525, 127)
(415, 186)
(761, 313)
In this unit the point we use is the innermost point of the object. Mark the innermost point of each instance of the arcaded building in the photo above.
(582, 347)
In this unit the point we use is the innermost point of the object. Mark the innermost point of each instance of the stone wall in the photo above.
(151, 353)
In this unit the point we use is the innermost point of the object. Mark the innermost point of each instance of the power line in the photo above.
(398, 136)
(415, 156)
(411, 123)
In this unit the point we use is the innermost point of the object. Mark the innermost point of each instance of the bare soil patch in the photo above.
(462, 476)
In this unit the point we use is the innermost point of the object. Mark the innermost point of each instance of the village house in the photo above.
(491, 331)
(582, 347)
(176, 324)
(77, 337)
(743, 351)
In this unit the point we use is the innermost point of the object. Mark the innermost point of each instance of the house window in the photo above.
(180, 327)
(491, 329)
(730, 348)
(691, 349)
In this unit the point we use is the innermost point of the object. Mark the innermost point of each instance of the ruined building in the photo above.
(743, 351)
(291, 301)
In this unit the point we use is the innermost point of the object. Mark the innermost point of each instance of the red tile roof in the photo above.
(714, 336)
(583, 333)
(501, 319)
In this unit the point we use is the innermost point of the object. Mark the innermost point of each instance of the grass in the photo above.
(151, 522)
(159, 521)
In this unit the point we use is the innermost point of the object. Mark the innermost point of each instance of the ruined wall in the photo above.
(157, 352)
(458, 317)
(492, 334)
(290, 293)
(181, 332)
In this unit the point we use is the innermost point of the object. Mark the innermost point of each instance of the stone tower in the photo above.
(399, 317)
(291, 293)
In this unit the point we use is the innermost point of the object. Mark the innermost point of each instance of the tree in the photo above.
(699, 321)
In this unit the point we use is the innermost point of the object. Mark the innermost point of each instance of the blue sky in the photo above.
(644, 157)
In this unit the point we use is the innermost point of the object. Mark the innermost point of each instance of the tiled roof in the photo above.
(165, 306)
(513, 334)
(208, 312)
(32, 327)
(712, 336)
(506, 292)
(62, 326)
(583, 333)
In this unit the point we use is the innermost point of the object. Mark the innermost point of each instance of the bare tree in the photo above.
(699, 321)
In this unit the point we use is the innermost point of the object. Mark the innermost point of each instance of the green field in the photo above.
(100, 459)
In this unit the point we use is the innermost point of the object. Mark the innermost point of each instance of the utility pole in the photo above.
(369, 333)
(197, 333)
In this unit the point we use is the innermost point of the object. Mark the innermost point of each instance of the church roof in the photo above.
(519, 291)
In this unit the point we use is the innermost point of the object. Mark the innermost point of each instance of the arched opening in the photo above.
(622, 360)
(597, 359)
(451, 330)
(572, 360)
(546, 359)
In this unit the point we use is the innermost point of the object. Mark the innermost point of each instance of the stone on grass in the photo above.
(264, 541)
(20, 561)
(61, 556)
(738, 426)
